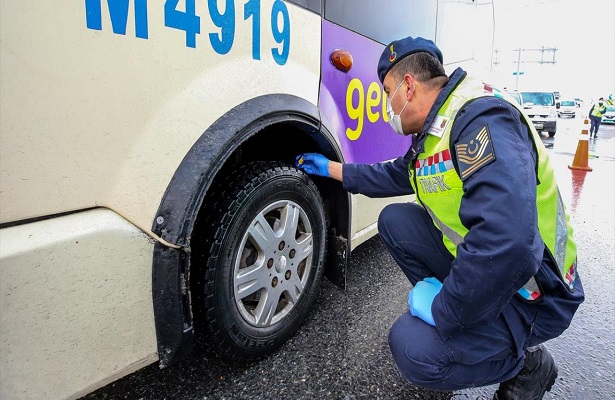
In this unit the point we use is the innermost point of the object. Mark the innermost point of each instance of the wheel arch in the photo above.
(259, 129)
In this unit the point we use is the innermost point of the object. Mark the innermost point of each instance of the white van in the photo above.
(566, 108)
(540, 107)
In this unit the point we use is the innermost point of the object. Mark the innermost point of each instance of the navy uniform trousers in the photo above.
(473, 357)
(595, 125)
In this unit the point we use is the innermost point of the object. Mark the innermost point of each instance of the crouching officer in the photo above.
(487, 247)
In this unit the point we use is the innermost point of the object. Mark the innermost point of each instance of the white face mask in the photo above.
(395, 119)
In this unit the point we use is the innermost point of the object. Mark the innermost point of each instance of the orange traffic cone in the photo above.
(580, 157)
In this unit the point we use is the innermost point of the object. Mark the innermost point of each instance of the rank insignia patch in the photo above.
(474, 152)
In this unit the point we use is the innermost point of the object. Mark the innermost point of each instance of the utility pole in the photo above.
(518, 67)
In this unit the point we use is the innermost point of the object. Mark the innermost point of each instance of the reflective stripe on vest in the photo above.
(439, 188)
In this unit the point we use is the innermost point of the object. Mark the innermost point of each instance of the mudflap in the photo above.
(337, 260)
(171, 298)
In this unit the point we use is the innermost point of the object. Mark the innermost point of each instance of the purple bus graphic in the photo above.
(354, 102)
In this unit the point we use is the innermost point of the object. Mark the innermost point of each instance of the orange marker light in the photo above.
(342, 60)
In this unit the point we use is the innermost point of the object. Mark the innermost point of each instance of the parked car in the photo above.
(566, 108)
(609, 116)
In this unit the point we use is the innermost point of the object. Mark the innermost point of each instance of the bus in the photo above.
(149, 200)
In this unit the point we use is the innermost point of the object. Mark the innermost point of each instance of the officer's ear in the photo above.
(410, 85)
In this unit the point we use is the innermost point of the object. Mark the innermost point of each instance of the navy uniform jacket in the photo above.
(499, 209)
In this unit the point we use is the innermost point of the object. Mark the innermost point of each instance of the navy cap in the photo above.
(401, 48)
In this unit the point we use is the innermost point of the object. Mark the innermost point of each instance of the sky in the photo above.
(582, 32)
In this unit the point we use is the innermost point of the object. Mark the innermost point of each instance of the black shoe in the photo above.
(535, 378)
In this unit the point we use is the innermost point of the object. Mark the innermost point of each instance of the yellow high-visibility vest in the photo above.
(444, 201)
(598, 110)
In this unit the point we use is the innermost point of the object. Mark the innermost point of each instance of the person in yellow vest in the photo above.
(487, 246)
(595, 117)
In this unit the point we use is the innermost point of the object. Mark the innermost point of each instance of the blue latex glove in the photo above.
(421, 297)
(313, 164)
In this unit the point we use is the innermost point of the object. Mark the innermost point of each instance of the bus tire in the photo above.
(265, 263)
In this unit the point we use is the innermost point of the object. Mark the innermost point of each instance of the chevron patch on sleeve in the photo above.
(474, 152)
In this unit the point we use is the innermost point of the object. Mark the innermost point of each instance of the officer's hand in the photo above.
(313, 163)
(421, 297)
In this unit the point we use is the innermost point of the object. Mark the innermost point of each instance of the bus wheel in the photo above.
(265, 261)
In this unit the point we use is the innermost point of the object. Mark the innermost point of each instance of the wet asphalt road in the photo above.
(341, 352)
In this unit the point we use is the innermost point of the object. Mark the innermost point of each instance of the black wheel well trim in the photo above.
(183, 198)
